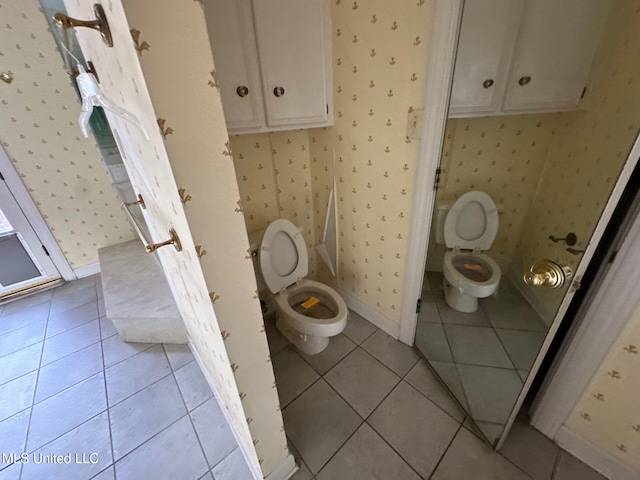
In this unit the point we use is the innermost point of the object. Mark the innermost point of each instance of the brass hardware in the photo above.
(100, 24)
(140, 47)
(487, 83)
(174, 240)
(242, 91)
(546, 273)
(148, 246)
(164, 131)
(6, 77)
(213, 83)
(575, 286)
(571, 239)
(278, 91)
(524, 80)
(140, 202)
(184, 196)
(91, 68)
(574, 251)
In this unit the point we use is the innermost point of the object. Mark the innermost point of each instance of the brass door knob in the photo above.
(546, 273)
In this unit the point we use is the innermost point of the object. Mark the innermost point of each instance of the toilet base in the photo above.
(457, 300)
(309, 344)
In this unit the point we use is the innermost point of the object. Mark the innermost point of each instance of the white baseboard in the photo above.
(370, 314)
(87, 270)
(253, 466)
(284, 470)
(588, 453)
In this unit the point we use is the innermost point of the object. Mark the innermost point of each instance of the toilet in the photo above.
(467, 228)
(308, 312)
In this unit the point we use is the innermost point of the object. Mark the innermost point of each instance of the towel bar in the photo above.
(148, 246)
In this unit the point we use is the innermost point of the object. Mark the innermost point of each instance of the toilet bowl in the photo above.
(308, 312)
(467, 228)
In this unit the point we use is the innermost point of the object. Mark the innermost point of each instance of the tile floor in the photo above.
(484, 357)
(365, 408)
(68, 384)
(368, 407)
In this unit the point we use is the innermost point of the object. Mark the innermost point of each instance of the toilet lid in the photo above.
(472, 222)
(283, 255)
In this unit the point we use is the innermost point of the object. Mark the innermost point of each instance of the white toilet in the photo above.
(467, 228)
(308, 312)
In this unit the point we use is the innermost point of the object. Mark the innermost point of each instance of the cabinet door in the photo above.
(233, 43)
(487, 35)
(555, 47)
(294, 48)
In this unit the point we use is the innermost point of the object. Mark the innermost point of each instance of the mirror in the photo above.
(98, 123)
(547, 155)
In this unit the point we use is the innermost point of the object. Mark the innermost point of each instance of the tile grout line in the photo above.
(435, 468)
(556, 464)
(154, 435)
(188, 414)
(106, 395)
(515, 368)
(35, 389)
(441, 380)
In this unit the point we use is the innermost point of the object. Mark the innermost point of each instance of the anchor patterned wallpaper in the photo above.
(62, 170)
(274, 177)
(186, 174)
(588, 152)
(607, 415)
(590, 159)
(503, 157)
(379, 52)
(379, 55)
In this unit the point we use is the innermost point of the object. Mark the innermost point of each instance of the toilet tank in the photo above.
(439, 216)
(254, 244)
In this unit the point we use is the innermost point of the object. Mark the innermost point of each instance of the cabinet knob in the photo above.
(524, 80)
(278, 91)
(487, 83)
(242, 91)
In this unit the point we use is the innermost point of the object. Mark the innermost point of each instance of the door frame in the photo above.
(589, 340)
(440, 63)
(31, 212)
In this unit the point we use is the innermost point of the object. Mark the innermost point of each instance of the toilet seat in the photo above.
(284, 262)
(310, 325)
(460, 270)
(283, 257)
(472, 222)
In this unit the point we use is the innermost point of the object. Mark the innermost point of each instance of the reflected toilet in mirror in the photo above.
(551, 165)
(468, 228)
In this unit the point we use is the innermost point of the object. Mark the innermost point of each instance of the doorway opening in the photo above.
(26, 265)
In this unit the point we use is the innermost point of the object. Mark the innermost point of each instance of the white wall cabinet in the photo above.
(273, 63)
(525, 56)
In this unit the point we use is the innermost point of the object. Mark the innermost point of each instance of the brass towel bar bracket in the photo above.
(140, 202)
(100, 24)
(148, 246)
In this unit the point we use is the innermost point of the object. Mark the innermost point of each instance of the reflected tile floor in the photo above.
(68, 384)
(368, 407)
(484, 357)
